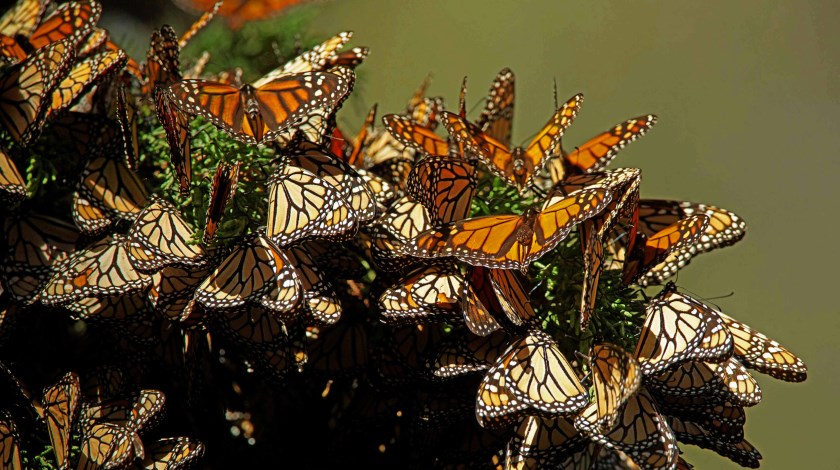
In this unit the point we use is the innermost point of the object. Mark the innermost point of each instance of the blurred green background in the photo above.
(748, 99)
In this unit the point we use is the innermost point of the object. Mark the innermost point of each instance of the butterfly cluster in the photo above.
(403, 295)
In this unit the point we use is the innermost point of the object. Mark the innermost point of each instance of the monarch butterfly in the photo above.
(677, 329)
(89, 218)
(247, 274)
(763, 354)
(82, 77)
(319, 300)
(9, 443)
(110, 185)
(302, 205)
(222, 192)
(25, 90)
(312, 60)
(623, 184)
(516, 166)
(257, 114)
(58, 407)
(729, 380)
(69, 21)
(101, 269)
(106, 445)
(36, 244)
(641, 433)
(163, 64)
(509, 241)
(353, 151)
(743, 453)
(401, 222)
(647, 252)
(724, 419)
(12, 184)
(112, 309)
(419, 138)
(160, 237)
(598, 152)
(342, 177)
(127, 118)
(507, 293)
(725, 228)
(173, 288)
(543, 442)
(240, 12)
(465, 354)
(176, 125)
(94, 40)
(427, 294)
(351, 58)
(616, 376)
(445, 186)
(532, 373)
(23, 18)
(136, 415)
(497, 116)
(172, 453)
(199, 24)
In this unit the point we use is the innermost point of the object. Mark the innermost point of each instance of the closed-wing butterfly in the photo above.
(757, 351)
(160, 237)
(496, 119)
(258, 114)
(176, 125)
(616, 376)
(743, 453)
(69, 22)
(9, 444)
(648, 251)
(427, 294)
(728, 380)
(108, 183)
(534, 374)
(679, 328)
(172, 453)
(82, 77)
(518, 165)
(445, 186)
(106, 445)
(222, 191)
(101, 269)
(58, 407)
(25, 90)
(509, 241)
(725, 228)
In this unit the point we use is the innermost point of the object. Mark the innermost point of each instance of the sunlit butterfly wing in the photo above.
(199, 24)
(340, 175)
(725, 228)
(58, 408)
(509, 241)
(82, 77)
(763, 354)
(532, 373)
(351, 58)
(312, 60)
(163, 66)
(427, 294)
(93, 42)
(71, 21)
(101, 269)
(497, 116)
(616, 375)
(541, 442)
(258, 114)
(445, 186)
(90, 218)
(23, 18)
(598, 151)
(467, 354)
(649, 252)
(108, 183)
(222, 192)
(252, 269)
(679, 328)
(172, 453)
(106, 445)
(420, 138)
(25, 90)
(301, 205)
(161, 231)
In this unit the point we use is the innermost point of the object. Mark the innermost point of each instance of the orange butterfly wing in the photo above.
(598, 151)
(548, 138)
(71, 21)
(657, 247)
(414, 136)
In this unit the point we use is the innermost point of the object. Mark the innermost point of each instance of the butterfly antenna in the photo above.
(556, 101)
